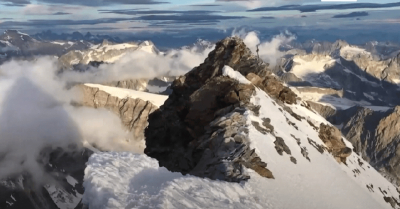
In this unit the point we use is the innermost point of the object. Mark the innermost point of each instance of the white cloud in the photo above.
(268, 50)
(36, 114)
(142, 64)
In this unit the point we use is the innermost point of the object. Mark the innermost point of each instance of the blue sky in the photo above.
(181, 16)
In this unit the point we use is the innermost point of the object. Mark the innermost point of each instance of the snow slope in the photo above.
(121, 93)
(124, 180)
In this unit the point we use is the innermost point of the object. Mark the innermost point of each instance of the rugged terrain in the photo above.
(66, 168)
(233, 118)
(364, 75)
(355, 88)
(230, 119)
(17, 45)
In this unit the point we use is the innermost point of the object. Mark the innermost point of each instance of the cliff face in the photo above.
(375, 135)
(133, 112)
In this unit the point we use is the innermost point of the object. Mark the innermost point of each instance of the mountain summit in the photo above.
(233, 121)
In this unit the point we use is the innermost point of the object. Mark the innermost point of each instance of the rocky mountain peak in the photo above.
(15, 36)
(201, 128)
(340, 43)
(232, 52)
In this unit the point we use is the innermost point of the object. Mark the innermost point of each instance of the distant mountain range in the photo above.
(355, 87)
(75, 36)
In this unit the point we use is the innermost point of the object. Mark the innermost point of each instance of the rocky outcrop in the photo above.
(332, 138)
(324, 110)
(133, 112)
(375, 135)
(201, 129)
(273, 87)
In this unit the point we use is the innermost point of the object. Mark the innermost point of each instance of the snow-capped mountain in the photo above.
(363, 76)
(230, 133)
(105, 52)
(244, 141)
(17, 45)
(336, 77)
(74, 36)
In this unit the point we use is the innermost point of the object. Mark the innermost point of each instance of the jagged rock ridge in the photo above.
(200, 128)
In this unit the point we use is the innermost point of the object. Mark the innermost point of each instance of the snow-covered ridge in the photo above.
(305, 174)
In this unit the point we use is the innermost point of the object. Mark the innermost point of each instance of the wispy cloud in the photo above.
(316, 7)
(84, 2)
(352, 14)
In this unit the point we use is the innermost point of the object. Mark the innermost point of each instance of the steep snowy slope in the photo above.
(280, 153)
(304, 177)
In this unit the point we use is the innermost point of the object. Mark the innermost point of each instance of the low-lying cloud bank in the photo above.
(143, 64)
(36, 114)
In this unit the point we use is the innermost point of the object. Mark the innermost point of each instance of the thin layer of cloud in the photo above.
(37, 116)
(316, 7)
(84, 2)
(36, 9)
(141, 64)
(352, 14)
(155, 12)
(188, 18)
(52, 23)
(249, 4)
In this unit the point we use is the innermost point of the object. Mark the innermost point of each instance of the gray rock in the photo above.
(281, 147)
(375, 136)
(133, 112)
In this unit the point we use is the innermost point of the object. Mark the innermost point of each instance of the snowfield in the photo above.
(329, 100)
(126, 180)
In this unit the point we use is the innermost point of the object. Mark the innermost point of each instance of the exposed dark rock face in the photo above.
(281, 147)
(375, 136)
(200, 128)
